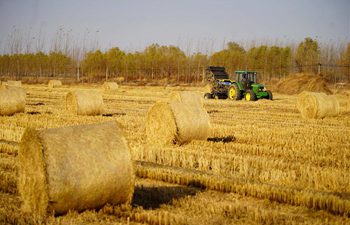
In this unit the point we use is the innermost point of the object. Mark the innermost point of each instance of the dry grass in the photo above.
(280, 168)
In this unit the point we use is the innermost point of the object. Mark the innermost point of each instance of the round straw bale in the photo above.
(15, 83)
(317, 105)
(54, 83)
(12, 100)
(187, 97)
(74, 168)
(110, 86)
(85, 102)
(175, 122)
(120, 79)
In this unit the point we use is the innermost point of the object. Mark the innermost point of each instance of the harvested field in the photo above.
(276, 168)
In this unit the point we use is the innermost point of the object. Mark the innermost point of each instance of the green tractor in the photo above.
(244, 86)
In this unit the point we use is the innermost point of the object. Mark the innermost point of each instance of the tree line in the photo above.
(158, 62)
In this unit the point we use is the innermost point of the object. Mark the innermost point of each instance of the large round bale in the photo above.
(74, 168)
(110, 86)
(14, 83)
(187, 97)
(12, 100)
(176, 123)
(85, 102)
(54, 83)
(314, 105)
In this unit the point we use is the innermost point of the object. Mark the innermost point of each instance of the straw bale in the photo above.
(12, 100)
(317, 105)
(187, 97)
(85, 102)
(54, 83)
(120, 79)
(175, 122)
(14, 83)
(110, 86)
(74, 168)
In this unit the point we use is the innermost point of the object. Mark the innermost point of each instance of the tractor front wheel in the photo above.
(208, 96)
(234, 93)
(250, 95)
(269, 95)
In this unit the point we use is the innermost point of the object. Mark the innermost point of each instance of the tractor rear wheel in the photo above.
(234, 93)
(250, 95)
(208, 96)
(269, 95)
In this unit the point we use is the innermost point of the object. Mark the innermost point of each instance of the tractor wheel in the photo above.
(234, 93)
(269, 95)
(250, 95)
(208, 96)
(216, 96)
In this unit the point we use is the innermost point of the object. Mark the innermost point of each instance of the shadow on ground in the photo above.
(225, 139)
(154, 197)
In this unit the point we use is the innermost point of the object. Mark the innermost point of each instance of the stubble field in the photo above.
(278, 169)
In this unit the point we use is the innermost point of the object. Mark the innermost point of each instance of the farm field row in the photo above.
(278, 169)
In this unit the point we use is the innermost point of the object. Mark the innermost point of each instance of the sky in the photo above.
(193, 25)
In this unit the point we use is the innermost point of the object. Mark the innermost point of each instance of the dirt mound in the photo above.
(296, 83)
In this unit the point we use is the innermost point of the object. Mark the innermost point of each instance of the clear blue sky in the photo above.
(191, 24)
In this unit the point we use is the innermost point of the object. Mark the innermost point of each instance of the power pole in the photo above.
(319, 68)
(78, 71)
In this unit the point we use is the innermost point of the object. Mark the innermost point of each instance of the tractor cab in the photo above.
(251, 75)
(247, 80)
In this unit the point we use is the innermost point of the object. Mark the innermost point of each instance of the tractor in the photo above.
(244, 86)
